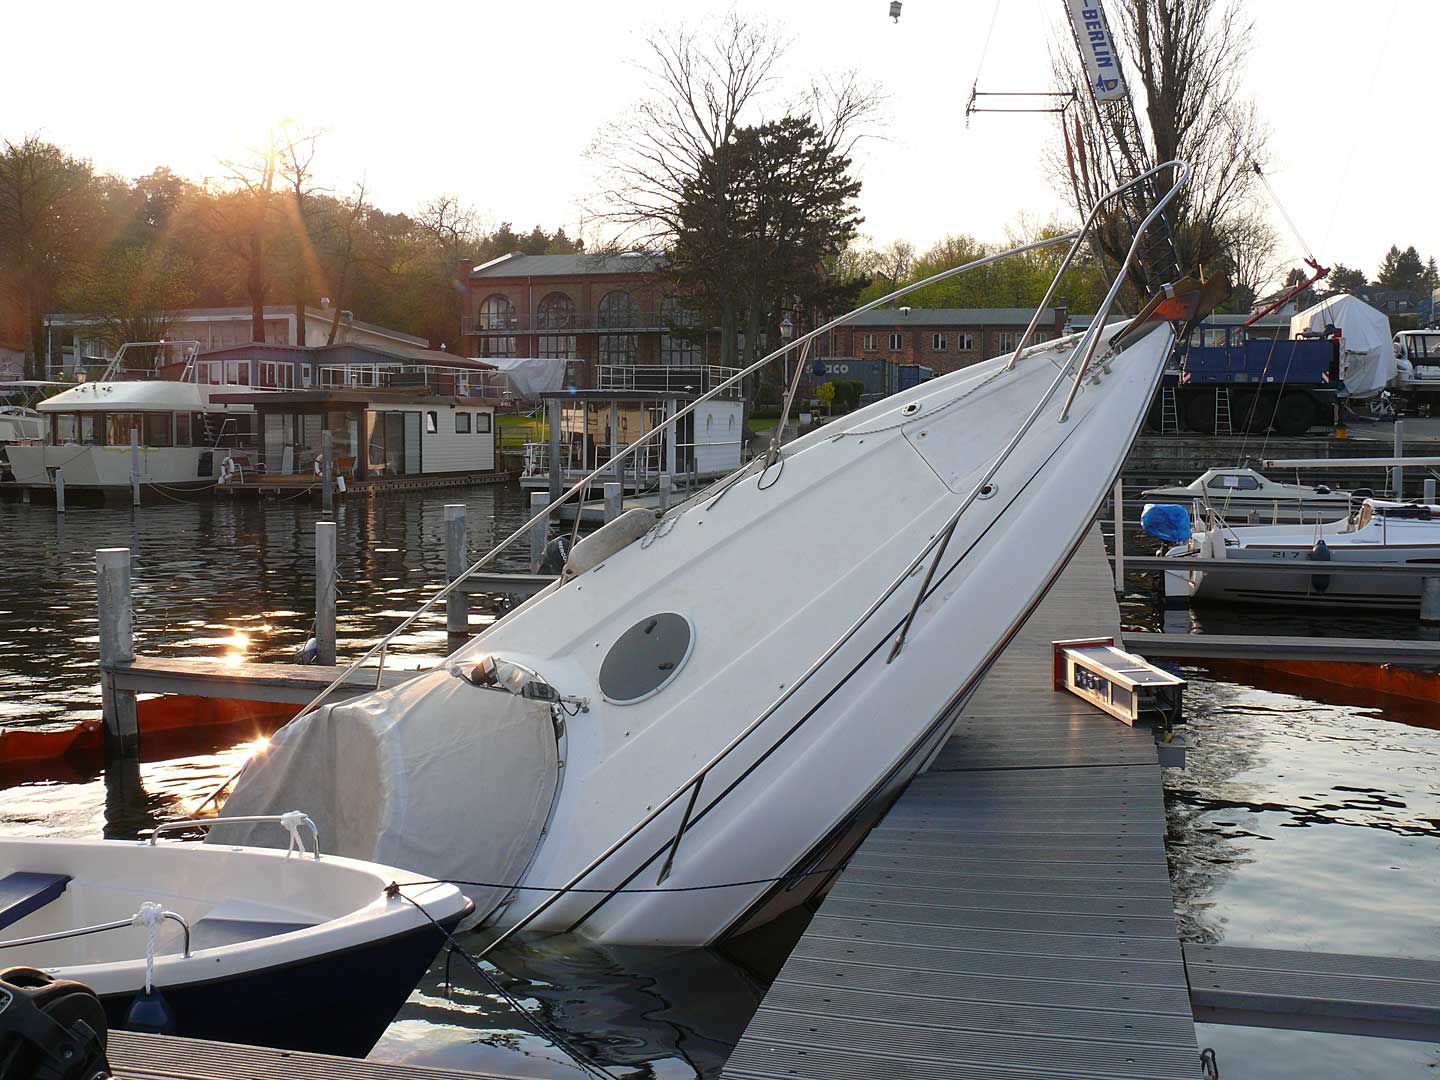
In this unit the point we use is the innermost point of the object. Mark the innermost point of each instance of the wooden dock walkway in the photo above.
(1011, 917)
(166, 1057)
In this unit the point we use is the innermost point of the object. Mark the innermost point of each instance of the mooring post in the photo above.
(614, 500)
(552, 439)
(457, 558)
(59, 491)
(134, 466)
(540, 531)
(1398, 476)
(1118, 498)
(667, 482)
(325, 582)
(1430, 491)
(1430, 601)
(327, 466)
(117, 646)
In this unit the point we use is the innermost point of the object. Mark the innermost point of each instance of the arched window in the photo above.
(682, 342)
(618, 310)
(496, 313)
(556, 312)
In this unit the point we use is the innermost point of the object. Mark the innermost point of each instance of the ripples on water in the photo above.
(1298, 823)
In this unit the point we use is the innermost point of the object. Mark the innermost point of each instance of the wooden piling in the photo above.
(117, 646)
(1118, 497)
(1430, 601)
(59, 491)
(614, 500)
(134, 466)
(540, 531)
(552, 420)
(325, 580)
(667, 483)
(327, 466)
(457, 557)
(1398, 476)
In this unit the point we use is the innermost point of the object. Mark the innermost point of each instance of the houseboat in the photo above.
(587, 428)
(193, 419)
(150, 395)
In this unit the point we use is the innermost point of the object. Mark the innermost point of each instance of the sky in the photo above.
(498, 102)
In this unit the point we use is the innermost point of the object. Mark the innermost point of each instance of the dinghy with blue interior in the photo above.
(689, 731)
(278, 947)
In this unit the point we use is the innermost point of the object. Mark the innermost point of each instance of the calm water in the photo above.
(1300, 822)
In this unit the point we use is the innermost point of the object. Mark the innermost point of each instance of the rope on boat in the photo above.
(620, 890)
(150, 916)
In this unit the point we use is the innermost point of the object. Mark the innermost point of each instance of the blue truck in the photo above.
(1255, 382)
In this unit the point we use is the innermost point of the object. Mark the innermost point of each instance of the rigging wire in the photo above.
(584, 1062)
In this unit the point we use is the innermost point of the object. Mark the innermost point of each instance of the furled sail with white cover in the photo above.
(439, 776)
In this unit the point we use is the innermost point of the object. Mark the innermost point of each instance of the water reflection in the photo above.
(640, 1012)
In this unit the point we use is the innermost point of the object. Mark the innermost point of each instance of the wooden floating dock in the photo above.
(1258, 647)
(291, 684)
(1012, 915)
(166, 1057)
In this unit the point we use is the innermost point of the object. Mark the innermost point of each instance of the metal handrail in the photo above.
(586, 481)
(98, 928)
(253, 819)
(936, 543)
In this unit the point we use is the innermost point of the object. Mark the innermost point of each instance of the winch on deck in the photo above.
(1127, 687)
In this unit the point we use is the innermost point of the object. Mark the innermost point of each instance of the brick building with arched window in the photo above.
(588, 309)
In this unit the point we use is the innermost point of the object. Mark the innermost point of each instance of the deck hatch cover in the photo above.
(646, 657)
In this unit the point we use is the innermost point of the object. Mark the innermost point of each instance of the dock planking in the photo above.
(1011, 916)
(294, 684)
(166, 1057)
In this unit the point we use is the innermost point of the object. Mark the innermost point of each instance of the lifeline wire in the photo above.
(584, 1062)
(619, 890)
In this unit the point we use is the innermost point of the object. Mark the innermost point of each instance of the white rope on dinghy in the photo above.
(150, 916)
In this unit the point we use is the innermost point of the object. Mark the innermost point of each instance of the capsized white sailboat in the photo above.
(689, 731)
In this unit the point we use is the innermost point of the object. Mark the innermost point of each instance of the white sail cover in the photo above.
(531, 376)
(412, 787)
(1367, 357)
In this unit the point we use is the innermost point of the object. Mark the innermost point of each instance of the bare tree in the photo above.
(299, 211)
(345, 238)
(239, 216)
(1186, 62)
(894, 262)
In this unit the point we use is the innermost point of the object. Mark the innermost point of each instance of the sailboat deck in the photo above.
(1011, 916)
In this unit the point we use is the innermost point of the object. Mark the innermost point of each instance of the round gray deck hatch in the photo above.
(646, 657)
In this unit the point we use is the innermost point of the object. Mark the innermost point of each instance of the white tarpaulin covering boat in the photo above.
(1367, 357)
(531, 376)
(415, 777)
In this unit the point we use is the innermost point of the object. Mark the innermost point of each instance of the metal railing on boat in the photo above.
(1083, 351)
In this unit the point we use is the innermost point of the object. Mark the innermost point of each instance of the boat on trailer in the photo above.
(286, 948)
(688, 732)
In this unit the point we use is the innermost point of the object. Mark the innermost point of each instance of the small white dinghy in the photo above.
(268, 946)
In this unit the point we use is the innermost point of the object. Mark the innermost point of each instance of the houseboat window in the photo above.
(462, 423)
(482, 423)
(207, 371)
(65, 427)
(182, 429)
(278, 374)
(159, 430)
(432, 422)
(237, 372)
(118, 427)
